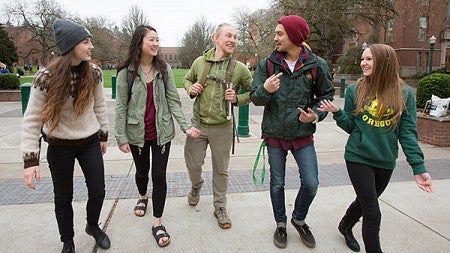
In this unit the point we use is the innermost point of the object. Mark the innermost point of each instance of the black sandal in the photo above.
(141, 208)
(162, 235)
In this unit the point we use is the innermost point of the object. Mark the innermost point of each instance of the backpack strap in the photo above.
(205, 73)
(270, 67)
(230, 69)
(129, 83)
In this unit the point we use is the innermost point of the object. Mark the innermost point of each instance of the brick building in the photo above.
(409, 34)
(171, 55)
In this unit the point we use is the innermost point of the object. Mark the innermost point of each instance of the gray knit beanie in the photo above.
(68, 34)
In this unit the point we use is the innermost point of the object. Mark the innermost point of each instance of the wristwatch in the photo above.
(315, 120)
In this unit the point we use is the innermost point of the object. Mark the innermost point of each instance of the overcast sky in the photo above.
(171, 18)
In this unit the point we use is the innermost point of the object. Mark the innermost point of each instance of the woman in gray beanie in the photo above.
(67, 106)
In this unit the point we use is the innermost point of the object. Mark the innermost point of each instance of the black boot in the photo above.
(101, 239)
(69, 247)
(345, 228)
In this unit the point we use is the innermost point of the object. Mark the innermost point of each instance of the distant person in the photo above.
(379, 112)
(207, 82)
(291, 94)
(67, 106)
(144, 120)
(3, 68)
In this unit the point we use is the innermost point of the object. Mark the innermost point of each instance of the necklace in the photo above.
(147, 72)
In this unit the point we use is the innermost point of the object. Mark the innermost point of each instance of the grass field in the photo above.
(178, 75)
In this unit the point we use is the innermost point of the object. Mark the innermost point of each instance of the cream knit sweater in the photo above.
(69, 127)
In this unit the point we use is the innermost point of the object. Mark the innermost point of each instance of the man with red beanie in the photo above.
(290, 84)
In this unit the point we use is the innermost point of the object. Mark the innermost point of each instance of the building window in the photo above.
(423, 25)
(390, 31)
(447, 57)
(425, 2)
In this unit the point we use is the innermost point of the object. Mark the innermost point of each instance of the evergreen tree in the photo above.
(8, 52)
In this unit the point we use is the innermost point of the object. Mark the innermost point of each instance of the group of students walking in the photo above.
(67, 108)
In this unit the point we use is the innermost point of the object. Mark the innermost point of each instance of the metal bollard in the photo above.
(113, 86)
(25, 95)
(342, 88)
(243, 129)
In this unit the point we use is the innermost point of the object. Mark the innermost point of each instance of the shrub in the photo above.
(437, 84)
(9, 82)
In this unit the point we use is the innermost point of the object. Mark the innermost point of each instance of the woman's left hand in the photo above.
(423, 181)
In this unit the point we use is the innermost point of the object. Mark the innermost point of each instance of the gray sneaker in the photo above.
(222, 217)
(194, 196)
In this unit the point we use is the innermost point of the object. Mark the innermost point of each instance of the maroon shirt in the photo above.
(287, 145)
(150, 115)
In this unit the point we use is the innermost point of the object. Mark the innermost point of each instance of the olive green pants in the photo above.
(219, 140)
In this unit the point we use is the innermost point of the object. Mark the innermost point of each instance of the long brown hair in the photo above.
(384, 83)
(60, 88)
(134, 54)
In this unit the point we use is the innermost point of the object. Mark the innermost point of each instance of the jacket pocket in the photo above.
(133, 130)
(167, 128)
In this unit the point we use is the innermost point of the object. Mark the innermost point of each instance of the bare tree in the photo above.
(256, 31)
(39, 21)
(332, 21)
(134, 19)
(195, 41)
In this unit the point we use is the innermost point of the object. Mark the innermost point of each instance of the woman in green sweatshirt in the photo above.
(379, 112)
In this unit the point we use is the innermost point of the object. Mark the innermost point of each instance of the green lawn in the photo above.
(107, 77)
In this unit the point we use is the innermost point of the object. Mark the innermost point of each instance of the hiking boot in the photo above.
(345, 228)
(280, 237)
(101, 239)
(222, 217)
(68, 247)
(194, 196)
(305, 234)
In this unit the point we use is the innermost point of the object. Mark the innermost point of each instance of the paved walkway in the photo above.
(413, 221)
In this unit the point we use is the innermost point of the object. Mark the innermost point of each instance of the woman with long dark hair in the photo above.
(147, 101)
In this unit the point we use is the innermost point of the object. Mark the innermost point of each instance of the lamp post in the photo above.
(364, 46)
(432, 43)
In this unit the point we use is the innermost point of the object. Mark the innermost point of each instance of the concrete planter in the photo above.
(9, 95)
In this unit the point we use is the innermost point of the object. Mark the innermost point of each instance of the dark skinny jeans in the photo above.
(160, 157)
(369, 183)
(61, 160)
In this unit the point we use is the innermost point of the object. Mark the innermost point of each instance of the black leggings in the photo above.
(61, 161)
(160, 157)
(369, 183)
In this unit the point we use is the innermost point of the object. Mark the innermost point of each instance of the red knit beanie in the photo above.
(296, 28)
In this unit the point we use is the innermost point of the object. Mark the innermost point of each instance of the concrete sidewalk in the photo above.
(413, 221)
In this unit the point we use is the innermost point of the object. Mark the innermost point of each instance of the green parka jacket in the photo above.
(211, 106)
(129, 123)
(281, 117)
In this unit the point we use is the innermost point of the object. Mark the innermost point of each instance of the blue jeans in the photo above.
(309, 178)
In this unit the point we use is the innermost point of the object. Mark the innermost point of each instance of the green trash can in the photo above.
(113, 86)
(25, 95)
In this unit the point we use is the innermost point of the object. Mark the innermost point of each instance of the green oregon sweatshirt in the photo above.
(372, 141)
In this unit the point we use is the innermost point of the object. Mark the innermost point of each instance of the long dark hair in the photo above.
(134, 53)
(60, 88)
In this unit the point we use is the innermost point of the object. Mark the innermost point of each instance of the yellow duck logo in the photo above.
(373, 109)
